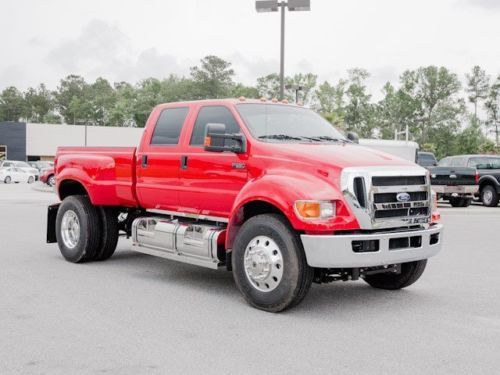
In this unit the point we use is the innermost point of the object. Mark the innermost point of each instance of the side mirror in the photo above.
(353, 137)
(217, 140)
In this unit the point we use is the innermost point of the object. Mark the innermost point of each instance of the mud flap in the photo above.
(51, 222)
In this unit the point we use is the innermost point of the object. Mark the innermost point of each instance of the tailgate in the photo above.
(453, 176)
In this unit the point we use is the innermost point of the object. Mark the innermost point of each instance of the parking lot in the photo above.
(136, 314)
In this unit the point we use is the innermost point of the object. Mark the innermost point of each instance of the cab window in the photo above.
(169, 125)
(485, 163)
(212, 115)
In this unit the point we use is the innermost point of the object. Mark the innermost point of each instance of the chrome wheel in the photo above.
(31, 180)
(263, 262)
(70, 229)
(52, 181)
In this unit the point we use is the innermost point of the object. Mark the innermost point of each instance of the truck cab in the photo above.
(265, 189)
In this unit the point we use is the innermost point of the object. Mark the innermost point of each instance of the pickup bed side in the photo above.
(107, 174)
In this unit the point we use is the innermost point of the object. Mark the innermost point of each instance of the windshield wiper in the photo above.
(326, 138)
(283, 137)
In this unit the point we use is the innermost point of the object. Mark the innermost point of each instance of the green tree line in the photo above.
(430, 101)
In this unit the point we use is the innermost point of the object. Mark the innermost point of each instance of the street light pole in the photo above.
(272, 6)
(282, 55)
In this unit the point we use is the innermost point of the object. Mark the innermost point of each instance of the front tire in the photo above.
(31, 179)
(410, 273)
(269, 264)
(489, 196)
(7, 180)
(78, 229)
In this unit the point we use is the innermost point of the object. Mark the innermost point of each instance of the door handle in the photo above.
(184, 162)
(144, 161)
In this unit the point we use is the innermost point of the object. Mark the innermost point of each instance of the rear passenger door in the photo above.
(158, 161)
(210, 181)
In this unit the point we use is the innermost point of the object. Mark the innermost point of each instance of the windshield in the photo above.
(485, 163)
(282, 123)
(22, 164)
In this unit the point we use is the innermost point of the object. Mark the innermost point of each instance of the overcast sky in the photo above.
(42, 41)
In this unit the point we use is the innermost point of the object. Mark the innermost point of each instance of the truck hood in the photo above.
(338, 155)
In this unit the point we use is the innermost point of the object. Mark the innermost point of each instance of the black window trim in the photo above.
(180, 134)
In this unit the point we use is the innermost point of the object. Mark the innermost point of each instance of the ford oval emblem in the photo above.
(403, 197)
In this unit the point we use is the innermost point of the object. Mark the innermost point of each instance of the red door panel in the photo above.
(158, 161)
(211, 181)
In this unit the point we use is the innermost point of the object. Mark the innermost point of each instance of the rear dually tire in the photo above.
(109, 229)
(78, 229)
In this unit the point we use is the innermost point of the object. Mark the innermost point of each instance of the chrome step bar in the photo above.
(191, 243)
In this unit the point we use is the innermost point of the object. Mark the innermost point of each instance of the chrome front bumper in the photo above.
(460, 189)
(336, 251)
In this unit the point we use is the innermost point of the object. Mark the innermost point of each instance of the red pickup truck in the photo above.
(268, 190)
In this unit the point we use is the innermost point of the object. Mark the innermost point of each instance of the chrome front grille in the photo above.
(388, 197)
(388, 191)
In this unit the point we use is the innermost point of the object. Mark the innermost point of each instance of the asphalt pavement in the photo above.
(137, 314)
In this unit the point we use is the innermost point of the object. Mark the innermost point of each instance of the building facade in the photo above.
(32, 142)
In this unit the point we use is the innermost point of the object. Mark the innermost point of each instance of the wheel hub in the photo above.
(263, 263)
(488, 196)
(70, 229)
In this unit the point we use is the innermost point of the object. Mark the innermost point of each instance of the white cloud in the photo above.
(127, 40)
(486, 4)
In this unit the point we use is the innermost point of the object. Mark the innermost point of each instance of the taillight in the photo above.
(476, 179)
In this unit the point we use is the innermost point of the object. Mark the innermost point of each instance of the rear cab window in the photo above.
(446, 162)
(459, 161)
(168, 127)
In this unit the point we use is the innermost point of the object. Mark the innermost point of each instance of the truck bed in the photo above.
(107, 173)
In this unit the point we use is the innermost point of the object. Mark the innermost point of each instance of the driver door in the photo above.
(210, 181)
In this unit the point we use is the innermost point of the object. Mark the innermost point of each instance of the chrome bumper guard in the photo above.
(337, 251)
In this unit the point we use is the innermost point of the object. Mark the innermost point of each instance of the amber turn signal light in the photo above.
(315, 209)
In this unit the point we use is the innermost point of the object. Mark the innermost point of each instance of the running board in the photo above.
(198, 244)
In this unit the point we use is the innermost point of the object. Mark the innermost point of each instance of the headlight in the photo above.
(315, 209)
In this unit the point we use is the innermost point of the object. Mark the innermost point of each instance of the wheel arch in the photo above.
(488, 180)
(70, 187)
(248, 210)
